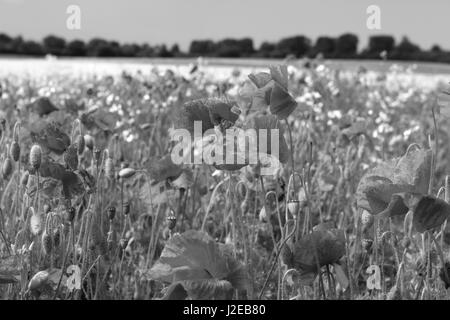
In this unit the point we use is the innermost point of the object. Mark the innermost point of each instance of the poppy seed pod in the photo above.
(127, 173)
(89, 142)
(111, 213)
(14, 151)
(367, 244)
(70, 214)
(126, 208)
(172, 221)
(80, 144)
(123, 243)
(35, 156)
(7, 168)
(97, 154)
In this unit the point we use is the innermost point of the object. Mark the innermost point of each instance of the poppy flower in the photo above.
(50, 136)
(328, 242)
(198, 267)
(163, 169)
(211, 112)
(429, 213)
(271, 125)
(272, 91)
(405, 177)
(42, 106)
(443, 100)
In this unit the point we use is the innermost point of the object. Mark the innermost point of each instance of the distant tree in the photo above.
(130, 50)
(98, 47)
(436, 48)
(234, 48)
(246, 47)
(346, 46)
(75, 48)
(378, 44)
(146, 51)
(202, 48)
(298, 46)
(5, 43)
(54, 45)
(406, 50)
(16, 44)
(162, 51)
(324, 45)
(116, 48)
(31, 48)
(175, 51)
(266, 50)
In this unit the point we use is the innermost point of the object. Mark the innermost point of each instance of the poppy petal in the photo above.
(281, 102)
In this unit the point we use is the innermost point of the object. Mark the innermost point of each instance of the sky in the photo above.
(180, 21)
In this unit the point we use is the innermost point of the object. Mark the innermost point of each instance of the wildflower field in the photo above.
(94, 207)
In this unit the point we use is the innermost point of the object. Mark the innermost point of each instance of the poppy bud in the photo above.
(263, 215)
(47, 242)
(38, 280)
(89, 142)
(109, 168)
(293, 206)
(80, 144)
(47, 208)
(7, 168)
(127, 173)
(56, 238)
(35, 156)
(24, 179)
(14, 151)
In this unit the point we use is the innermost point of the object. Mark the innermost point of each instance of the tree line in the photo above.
(343, 47)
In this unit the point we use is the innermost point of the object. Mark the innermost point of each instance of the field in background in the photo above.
(105, 197)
